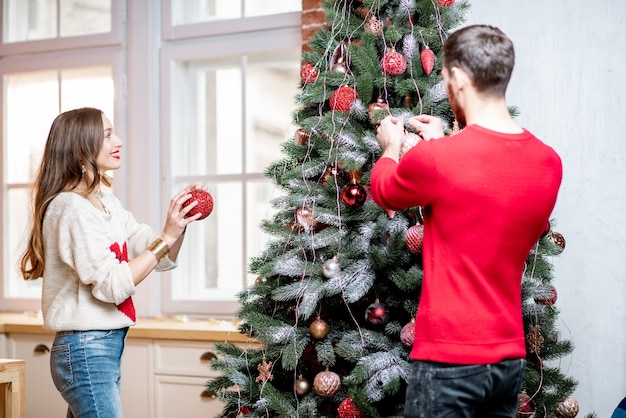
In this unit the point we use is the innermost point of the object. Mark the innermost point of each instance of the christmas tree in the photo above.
(338, 285)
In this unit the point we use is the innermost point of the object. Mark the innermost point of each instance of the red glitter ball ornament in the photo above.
(205, 203)
(414, 238)
(353, 195)
(524, 407)
(407, 335)
(427, 56)
(308, 73)
(347, 409)
(342, 98)
(446, 3)
(393, 63)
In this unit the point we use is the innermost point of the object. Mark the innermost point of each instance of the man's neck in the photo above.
(491, 113)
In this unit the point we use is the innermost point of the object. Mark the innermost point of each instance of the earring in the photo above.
(83, 169)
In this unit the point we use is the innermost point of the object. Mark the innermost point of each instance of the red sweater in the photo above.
(487, 198)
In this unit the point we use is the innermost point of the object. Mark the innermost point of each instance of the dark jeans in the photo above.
(440, 390)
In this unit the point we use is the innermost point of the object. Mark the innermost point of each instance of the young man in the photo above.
(487, 194)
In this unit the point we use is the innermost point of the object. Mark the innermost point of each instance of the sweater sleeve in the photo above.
(411, 182)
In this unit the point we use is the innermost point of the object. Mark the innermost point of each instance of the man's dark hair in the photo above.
(485, 53)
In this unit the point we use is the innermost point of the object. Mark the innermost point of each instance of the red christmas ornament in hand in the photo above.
(393, 63)
(427, 56)
(205, 203)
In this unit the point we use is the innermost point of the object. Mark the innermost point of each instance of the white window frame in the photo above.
(118, 13)
(200, 41)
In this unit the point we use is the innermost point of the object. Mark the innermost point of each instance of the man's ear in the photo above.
(459, 78)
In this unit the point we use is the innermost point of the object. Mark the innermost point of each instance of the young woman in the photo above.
(91, 253)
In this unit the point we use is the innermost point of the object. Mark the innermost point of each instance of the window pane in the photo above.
(88, 86)
(84, 17)
(28, 20)
(194, 11)
(258, 197)
(272, 82)
(207, 127)
(199, 275)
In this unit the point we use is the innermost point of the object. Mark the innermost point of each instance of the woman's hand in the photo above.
(177, 219)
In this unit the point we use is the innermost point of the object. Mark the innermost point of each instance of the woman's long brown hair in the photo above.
(69, 156)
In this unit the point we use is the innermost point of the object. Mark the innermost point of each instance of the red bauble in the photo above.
(377, 314)
(524, 406)
(326, 383)
(353, 195)
(414, 238)
(347, 409)
(427, 56)
(205, 203)
(545, 295)
(342, 98)
(393, 63)
(407, 335)
(308, 73)
(446, 3)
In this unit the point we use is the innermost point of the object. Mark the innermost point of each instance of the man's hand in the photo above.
(390, 134)
(428, 127)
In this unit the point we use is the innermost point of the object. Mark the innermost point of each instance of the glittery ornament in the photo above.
(524, 406)
(331, 268)
(534, 339)
(410, 140)
(414, 237)
(567, 409)
(374, 25)
(300, 137)
(205, 203)
(244, 410)
(319, 329)
(427, 56)
(347, 409)
(326, 383)
(304, 217)
(377, 314)
(265, 371)
(545, 294)
(377, 111)
(407, 335)
(342, 98)
(308, 73)
(446, 3)
(353, 195)
(301, 386)
(393, 63)
(557, 241)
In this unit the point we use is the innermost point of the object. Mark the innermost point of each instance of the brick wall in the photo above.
(312, 19)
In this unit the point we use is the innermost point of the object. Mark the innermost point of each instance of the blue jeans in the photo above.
(85, 367)
(440, 390)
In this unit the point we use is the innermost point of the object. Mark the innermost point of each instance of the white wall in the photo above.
(569, 84)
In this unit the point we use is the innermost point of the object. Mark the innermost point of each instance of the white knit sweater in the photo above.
(87, 284)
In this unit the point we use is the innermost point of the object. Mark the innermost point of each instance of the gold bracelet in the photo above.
(159, 248)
